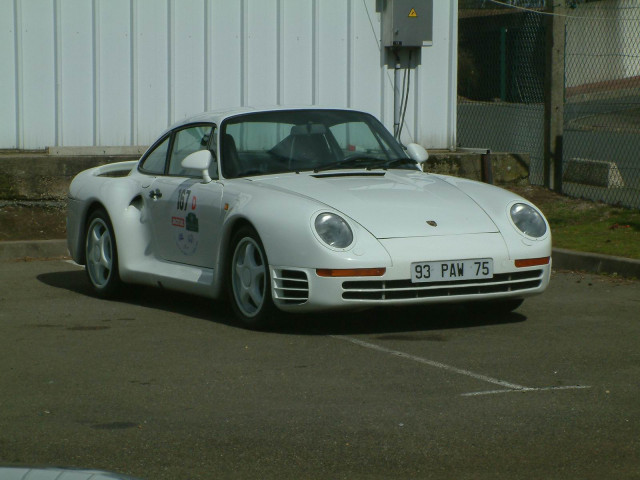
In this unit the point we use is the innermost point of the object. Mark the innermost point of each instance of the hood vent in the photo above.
(350, 174)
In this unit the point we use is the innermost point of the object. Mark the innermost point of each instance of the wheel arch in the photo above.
(82, 230)
(251, 312)
(103, 271)
(225, 253)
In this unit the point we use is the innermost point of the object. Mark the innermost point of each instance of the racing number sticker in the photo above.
(187, 235)
(183, 198)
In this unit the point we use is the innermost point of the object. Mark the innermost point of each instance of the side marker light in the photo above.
(351, 272)
(532, 262)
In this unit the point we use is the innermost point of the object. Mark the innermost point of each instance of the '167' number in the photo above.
(183, 198)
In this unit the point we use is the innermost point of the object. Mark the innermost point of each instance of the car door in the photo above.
(185, 213)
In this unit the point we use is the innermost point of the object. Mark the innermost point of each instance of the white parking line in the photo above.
(524, 390)
(510, 387)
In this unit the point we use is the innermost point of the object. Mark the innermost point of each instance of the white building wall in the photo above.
(603, 42)
(118, 72)
(8, 88)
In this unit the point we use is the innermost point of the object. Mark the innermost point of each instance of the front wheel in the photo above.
(249, 283)
(101, 255)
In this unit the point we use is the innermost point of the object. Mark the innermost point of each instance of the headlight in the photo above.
(333, 230)
(528, 220)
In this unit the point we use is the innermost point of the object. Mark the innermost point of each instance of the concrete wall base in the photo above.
(46, 176)
(504, 168)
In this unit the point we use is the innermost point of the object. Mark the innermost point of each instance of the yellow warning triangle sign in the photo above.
(413, 13)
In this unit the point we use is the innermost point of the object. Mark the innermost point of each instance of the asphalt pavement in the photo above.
(161, 385)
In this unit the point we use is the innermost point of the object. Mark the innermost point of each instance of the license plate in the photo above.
(452, 270)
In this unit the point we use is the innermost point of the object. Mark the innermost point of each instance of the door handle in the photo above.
(155, 194)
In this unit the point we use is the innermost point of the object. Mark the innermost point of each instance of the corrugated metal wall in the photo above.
(118, 72)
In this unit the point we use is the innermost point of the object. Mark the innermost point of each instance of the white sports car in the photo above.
(303, 209)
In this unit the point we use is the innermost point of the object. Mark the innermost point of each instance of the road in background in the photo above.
(602, 127)
(162, 386)
(607, 128)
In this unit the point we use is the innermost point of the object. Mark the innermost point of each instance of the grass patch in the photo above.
(588, 226)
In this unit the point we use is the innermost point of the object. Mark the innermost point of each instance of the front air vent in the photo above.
(404, 289)
(290, 286)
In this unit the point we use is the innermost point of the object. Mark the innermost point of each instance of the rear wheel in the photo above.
(249, 283)
(101, 255)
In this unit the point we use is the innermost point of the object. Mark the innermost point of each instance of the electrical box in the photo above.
(407, 23)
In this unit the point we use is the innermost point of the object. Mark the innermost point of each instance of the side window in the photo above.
(187, 141)
(155, 161)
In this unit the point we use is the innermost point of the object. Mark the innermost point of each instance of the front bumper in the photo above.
(302, 290)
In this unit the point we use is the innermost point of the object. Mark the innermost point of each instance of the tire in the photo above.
(497, 307)
(101, 255)
(249, 283)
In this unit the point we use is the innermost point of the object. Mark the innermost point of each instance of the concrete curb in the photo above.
(20, 250)
(595, 263)
(562, 259)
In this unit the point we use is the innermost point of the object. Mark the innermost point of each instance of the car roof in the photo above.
(217, 116)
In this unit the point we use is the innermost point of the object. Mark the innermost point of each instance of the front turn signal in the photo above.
(351, 272)
(532, 262)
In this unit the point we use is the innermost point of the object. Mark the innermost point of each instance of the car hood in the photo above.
(391, 204)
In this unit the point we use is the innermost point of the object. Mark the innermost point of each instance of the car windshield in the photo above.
(312, 140)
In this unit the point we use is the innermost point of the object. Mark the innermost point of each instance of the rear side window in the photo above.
(156, 160)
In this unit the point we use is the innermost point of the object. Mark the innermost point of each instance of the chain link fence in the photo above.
(501, 65)
(501, 74)
(602, 102)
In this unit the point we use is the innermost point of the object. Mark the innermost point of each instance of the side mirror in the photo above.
(199, 160)
(417, 153)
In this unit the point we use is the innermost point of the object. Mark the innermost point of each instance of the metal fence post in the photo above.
(554, 96)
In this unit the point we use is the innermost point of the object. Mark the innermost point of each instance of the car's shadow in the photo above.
(150, 297)
(382, 320)
(395, 320)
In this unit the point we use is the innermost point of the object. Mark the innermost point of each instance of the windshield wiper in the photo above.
(368, 162)
(396, 162)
